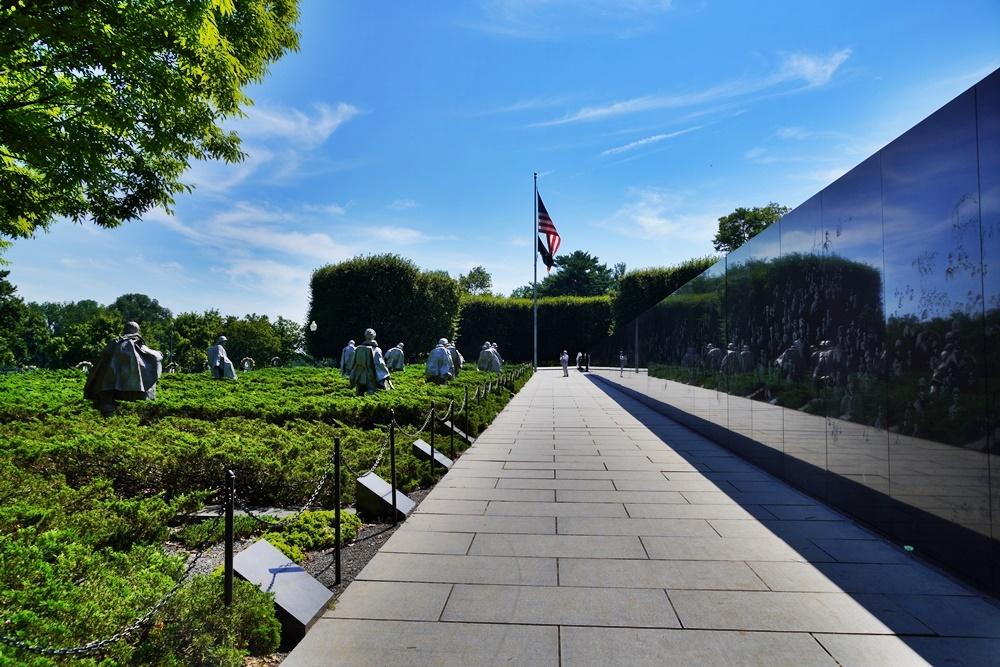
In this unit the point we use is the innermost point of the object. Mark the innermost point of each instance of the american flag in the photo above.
(546, 227)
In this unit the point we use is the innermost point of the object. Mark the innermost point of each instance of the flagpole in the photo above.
(534, 283)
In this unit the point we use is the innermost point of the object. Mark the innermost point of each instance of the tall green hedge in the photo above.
(640, 290)
(564, 323)
(387, 293)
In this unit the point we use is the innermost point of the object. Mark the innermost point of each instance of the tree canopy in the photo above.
(577, 274)
(103, 104)
(743, 224)
(477, 281)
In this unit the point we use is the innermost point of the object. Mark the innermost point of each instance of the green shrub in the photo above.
(640, 290)
(196, 630)
(570, 323)
(351, 296)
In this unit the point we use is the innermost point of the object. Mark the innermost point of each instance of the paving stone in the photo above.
(562, 546)
(702, 575)
(665, 485)
(682, 648)
(467, 482)
(576, 496)
(457, 493)
(500, 508)
(391, 600)
(645, 608)
(687, 511)
(653, 527)
(800, 529)
(501, 474)
(541, 525)
(413, 644)
(609, 474)
(857, 578)
(731, 548)
(582, 484)
(409, 541)
(863, 551)
(567, 465)
(881, 651)
(792, 612)
(953, 615)
(804, 512)
(442, 506)
(460, 569)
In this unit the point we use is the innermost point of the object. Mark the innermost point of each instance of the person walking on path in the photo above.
(621, 363)
(579, 361)
(564, 360)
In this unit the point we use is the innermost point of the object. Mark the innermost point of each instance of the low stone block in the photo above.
(374, 498)
(423, 452)
(298, 597)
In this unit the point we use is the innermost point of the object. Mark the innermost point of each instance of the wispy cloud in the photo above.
(403, 204)
(654, 139)
(652, 213)
(306, 130)
(809, 71)
(555, 19)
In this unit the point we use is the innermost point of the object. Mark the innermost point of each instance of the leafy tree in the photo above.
(103, 104)
(477, 281)
(192, 334)
(577, 274)
(140, 308)
(523, 292)
(12, 314)
(61, 316)
(743, 224)
(618, 272)
(85, 341)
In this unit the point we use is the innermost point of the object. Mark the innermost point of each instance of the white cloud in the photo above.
(400, 235)
(656, 138)
(293, 125)
(816, 70)
(327, 209)
(813, 70)
(403, 204)
(658, 214)
(217, 177)
(793, 133)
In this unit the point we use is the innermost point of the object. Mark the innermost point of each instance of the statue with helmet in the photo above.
(127, 370)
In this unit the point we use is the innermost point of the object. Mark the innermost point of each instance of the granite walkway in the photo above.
(585, 529)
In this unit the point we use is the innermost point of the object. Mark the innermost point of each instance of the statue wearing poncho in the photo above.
(126, 371)
(394, 358)
(368, 371)
(218, 361)
(456, 358)
(347, 359)
(489, 360)
(439, 364)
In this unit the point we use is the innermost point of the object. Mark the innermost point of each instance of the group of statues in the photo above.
(369, 370)
(128, 370)
(490, 360)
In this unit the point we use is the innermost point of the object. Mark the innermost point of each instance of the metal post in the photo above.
(392, 463)
(451, 420)
(468, 430)
(534, 283)
(336, 507)
(227, 594)
(432, 441)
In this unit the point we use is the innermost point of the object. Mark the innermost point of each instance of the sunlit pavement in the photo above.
(583, 528)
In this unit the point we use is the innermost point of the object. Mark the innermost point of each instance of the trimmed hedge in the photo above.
(387, 293)
(572, 323)
(640, 290)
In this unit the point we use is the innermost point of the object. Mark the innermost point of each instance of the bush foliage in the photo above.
(386, 292)
(89, 506)
(564, 323)
(640, 290)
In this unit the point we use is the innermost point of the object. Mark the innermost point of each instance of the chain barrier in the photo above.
(378, 460)
(130, 629)
(447, 414)
(288, 519)
(420, 430)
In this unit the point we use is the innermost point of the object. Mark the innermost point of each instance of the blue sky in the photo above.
(399, 128)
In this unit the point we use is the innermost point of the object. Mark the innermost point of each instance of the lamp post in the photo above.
(312, 329)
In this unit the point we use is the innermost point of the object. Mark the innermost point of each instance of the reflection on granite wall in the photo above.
(853, 348)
